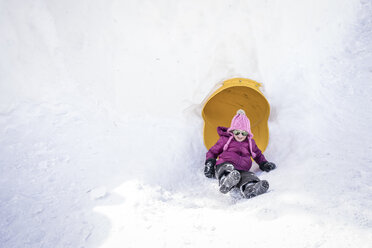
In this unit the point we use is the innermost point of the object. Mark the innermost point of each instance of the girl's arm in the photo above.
(259, 158)
(217, 149)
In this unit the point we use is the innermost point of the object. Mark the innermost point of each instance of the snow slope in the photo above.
(101, 133)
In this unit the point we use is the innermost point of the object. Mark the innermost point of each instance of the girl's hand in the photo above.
(209, 170)
(267, 166)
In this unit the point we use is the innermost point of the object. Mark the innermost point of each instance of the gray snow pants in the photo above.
(246, 176)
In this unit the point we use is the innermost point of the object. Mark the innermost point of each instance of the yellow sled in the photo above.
(221, 107)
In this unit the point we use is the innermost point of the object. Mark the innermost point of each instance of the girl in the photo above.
(234, 150)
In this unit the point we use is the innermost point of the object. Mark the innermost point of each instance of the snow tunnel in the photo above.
(221, 106)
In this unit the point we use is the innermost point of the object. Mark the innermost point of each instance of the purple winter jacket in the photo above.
(237, 153)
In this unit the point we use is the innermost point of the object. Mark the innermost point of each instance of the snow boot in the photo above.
(227, 182)
(254, 189)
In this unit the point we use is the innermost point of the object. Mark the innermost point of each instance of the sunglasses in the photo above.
(236, 132)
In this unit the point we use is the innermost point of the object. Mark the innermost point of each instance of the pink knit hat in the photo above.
(240, 122)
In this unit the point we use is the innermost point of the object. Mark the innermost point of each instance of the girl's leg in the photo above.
(228, 177)
(251, 186)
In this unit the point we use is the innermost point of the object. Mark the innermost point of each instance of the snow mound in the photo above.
(101, 133)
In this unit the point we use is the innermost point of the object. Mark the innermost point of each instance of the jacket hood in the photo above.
(222, 131)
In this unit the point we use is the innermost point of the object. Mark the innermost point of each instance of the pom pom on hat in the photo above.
(240, 112)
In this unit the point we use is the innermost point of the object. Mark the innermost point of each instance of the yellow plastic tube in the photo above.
(221, 107)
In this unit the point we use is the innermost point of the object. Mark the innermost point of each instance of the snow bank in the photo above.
(101, 134)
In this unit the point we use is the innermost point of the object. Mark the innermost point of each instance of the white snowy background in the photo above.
(101, 132)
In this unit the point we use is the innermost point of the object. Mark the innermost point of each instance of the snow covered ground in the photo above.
(101, 133)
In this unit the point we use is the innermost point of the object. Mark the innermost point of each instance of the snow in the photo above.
(101, 129)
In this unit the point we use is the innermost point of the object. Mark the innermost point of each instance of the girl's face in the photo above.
(240, 135)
